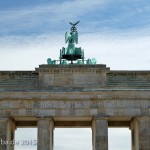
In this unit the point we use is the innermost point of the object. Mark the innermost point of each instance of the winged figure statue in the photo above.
(71, 38)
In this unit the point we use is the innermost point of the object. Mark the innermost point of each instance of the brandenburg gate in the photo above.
(81, 94)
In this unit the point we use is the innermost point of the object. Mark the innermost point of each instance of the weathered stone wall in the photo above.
(18, 80)
(128, 79)
(73, 78)
(75, 95)
(74, 90)
(72, 75)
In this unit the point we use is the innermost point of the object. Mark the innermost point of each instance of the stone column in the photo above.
(3, 133)
(140, 129)
(134, 134)
(100, 134)
(11, 127)
(7, 132)
(45, 134)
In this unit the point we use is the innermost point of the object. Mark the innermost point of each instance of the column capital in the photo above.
(4, 118)
(139, 119)
(45, 118)
(99, 118)
(50, 120)
(143, 118)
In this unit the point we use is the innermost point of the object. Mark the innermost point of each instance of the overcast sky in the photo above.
(115, 32)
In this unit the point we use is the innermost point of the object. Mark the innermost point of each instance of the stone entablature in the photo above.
(112, 104)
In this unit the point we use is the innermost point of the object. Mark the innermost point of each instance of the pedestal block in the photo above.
(45, 134)
(100, 134)
(140, 128)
